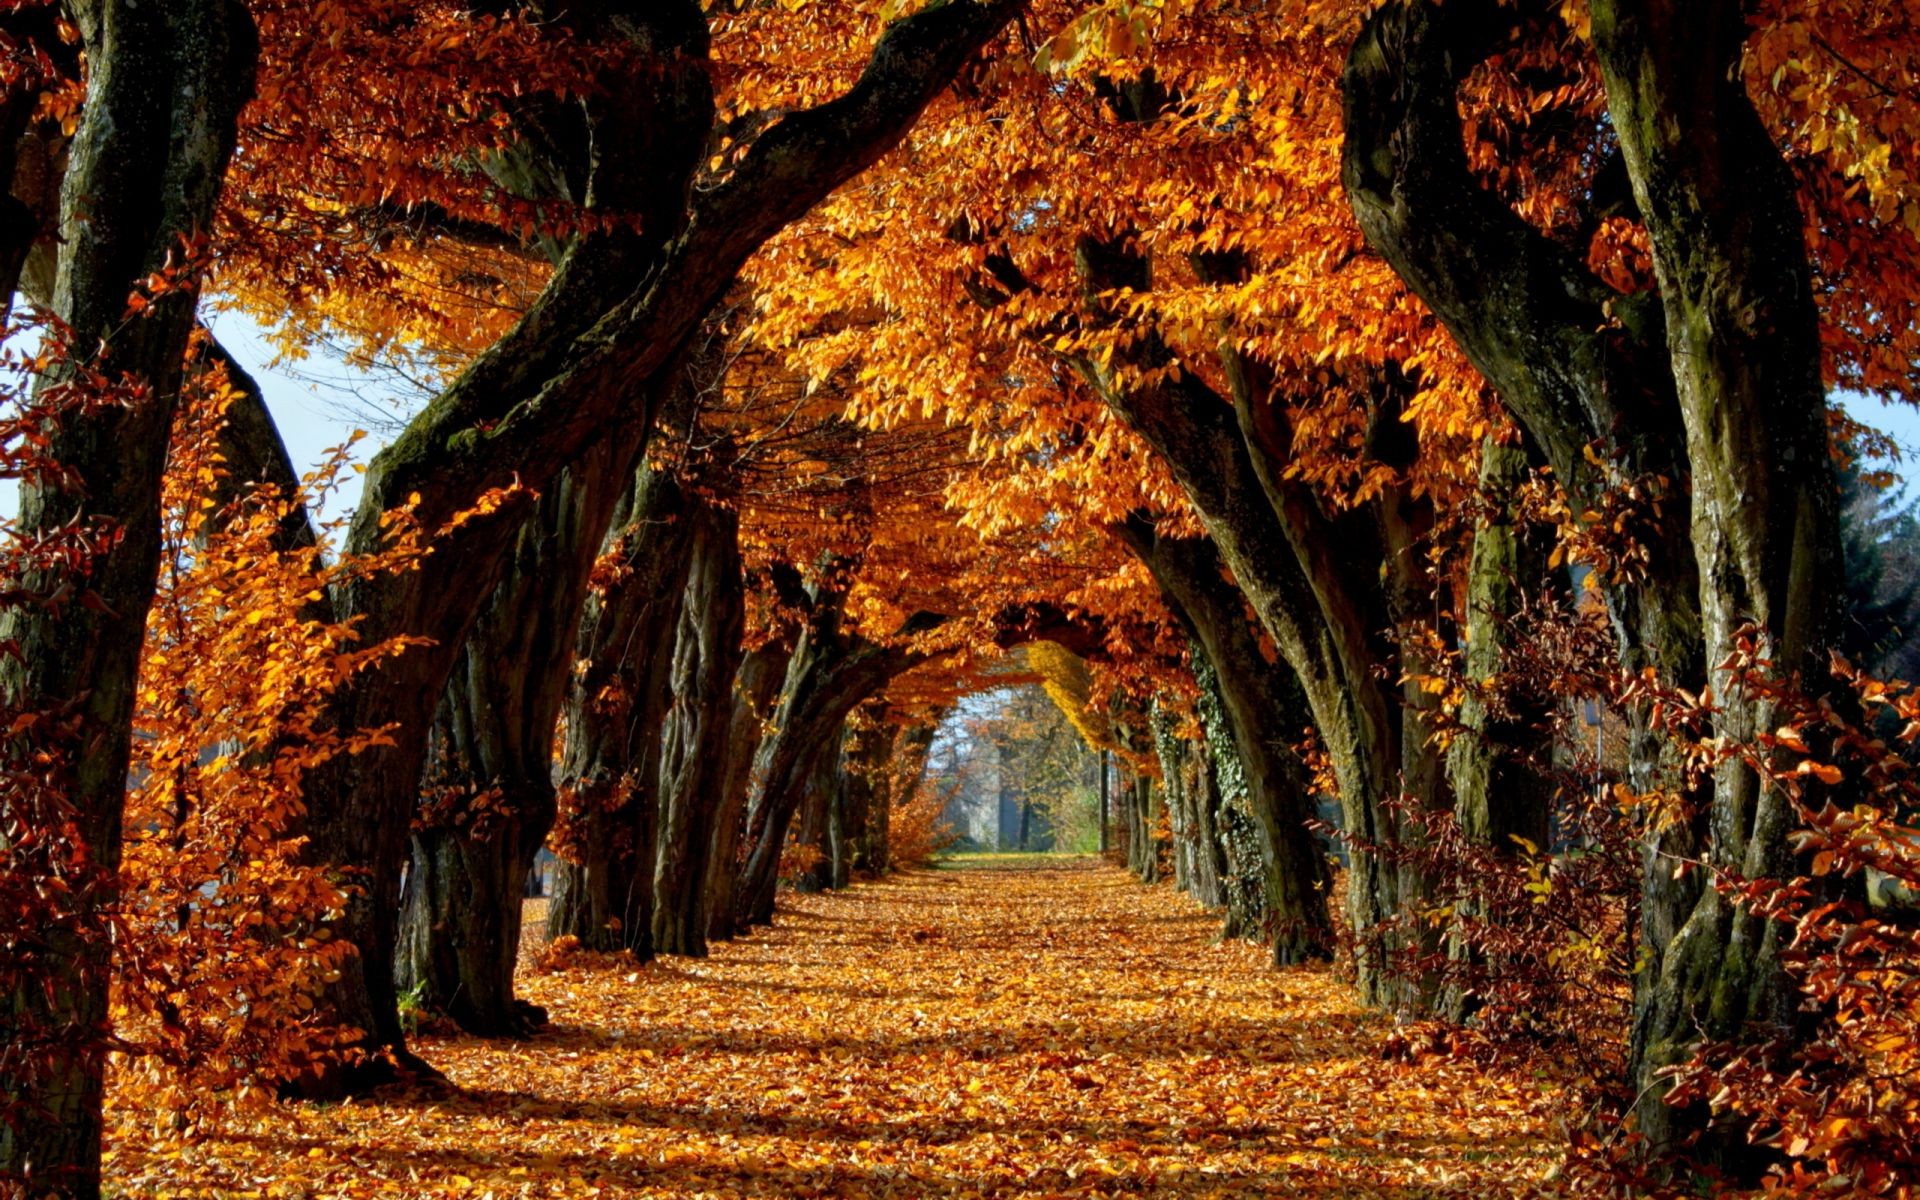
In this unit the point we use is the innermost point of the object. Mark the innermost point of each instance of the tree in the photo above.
(143, 173)
(1668, 381)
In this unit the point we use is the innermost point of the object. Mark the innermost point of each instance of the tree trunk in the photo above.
(817, 819)
(1175, 792)
(1200, 437)
(1500, 758)
(1209, 863)
(905, 768)
(1261, 708)
(693, 763)
(1730, 400)
(1106, 800)
(1246, 866)
(868, 751)
(610, 761)
(165, 84)
(487, 793)
(832, 671)
(755, 691)
(1743, 338)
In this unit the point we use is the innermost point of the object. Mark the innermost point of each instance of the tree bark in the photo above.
(832, 671)
(693, 764)
(610, 760)
(165, 85)
(1743, 338)
(817, 818)
(487, 793)
(1730, 403)
(869, 750)
(756, 689)
(1259, 704)
(1501, 755)
(1244, 865)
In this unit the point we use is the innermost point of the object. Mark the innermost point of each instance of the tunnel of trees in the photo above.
(1402, 473)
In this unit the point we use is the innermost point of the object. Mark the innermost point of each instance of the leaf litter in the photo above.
(1057, 1030)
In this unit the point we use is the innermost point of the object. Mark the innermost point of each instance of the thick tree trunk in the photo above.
(1743, 337)
(487, 793)
(1576, 363)
(864, 760)
(1175, 781)
(165, 84)
(1498, 760)
(756, 689)
(609, 770)
(693, 764)
(1190, 798)
(1143, 824)
(1262, 709)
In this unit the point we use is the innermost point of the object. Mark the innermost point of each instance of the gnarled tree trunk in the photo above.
(619, 311)
(1712, 378)
(1263, 710)
(1743, 338)
(609, 769)
(693, 764)
(487, 794)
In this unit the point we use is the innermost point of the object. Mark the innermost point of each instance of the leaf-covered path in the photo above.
(996, 1031)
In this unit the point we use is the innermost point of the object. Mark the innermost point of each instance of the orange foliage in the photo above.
(223, 939)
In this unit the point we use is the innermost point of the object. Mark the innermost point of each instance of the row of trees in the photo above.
(1366, 403)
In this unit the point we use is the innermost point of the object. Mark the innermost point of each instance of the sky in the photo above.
(308, 401)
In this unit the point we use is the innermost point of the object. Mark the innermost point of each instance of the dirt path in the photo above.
(979, 1032)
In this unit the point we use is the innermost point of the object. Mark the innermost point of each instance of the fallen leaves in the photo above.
(1063, 1031)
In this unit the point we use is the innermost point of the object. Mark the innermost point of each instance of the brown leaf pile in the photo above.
(993, 1031)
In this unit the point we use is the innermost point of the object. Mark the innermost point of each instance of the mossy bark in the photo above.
(1710, 382)
(1500, 758)
(1742, 334)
